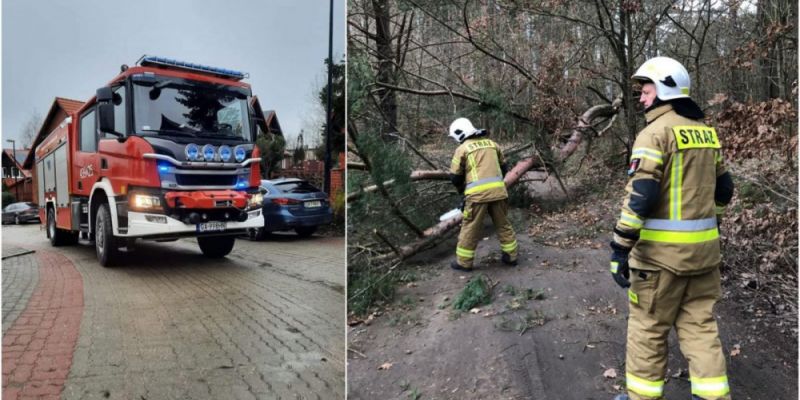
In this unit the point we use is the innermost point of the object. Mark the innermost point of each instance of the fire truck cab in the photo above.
(165, 150)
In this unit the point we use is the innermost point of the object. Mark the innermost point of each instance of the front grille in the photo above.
(205, 180)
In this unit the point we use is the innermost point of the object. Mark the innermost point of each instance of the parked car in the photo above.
(18, 213)
(293, 204)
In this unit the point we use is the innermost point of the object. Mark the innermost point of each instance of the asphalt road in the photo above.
(265, 322)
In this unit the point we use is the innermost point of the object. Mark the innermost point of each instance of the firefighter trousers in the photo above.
(471, 230)
(659, 300)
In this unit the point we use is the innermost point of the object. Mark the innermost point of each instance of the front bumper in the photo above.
(284, 220)
(140, 226)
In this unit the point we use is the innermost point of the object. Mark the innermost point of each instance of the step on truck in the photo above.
(163, 151)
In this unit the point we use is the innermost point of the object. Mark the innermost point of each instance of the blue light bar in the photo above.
(162, 61)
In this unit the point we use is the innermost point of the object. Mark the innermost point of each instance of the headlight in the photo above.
(192, 151)
(239, 153)
(225, 153)
(144, 201)
(256, 200)
(208, 152)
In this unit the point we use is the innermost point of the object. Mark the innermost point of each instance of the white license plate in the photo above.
(213, 226)
(313, 204)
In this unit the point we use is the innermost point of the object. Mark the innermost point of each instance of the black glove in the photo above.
(619, 265)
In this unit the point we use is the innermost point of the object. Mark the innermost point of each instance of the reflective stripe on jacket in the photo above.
(669, 205)
(479, 160)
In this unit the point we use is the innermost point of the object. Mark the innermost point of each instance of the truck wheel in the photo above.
(52, 231)
(58, 237)
(305, 231)
(216, 246)
(104, 241)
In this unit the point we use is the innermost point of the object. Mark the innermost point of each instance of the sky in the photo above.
(70, 48)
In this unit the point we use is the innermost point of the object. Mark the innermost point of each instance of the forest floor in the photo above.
(555, 327)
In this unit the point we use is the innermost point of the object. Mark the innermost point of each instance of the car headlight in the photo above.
(209, 152)
(239, 153)
(144, 201)
(225, 153)
(256, 200)
(192, 151)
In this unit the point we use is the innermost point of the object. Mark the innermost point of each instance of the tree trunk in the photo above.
(387, 98)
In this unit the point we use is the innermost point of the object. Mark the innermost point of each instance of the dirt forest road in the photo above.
(575, 333)
(266, 322)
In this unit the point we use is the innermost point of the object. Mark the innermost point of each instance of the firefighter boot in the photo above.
(456, 266)
(506, 259)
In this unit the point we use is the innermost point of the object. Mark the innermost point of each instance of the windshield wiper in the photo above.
(220, 135)
(170, 132)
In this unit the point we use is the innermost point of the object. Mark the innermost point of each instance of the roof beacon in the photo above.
(167, 62)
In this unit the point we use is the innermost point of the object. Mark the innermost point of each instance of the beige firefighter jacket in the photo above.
(479, 159)
(670, 202)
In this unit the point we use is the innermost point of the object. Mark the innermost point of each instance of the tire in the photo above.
(104, 241)
(305, 231)
(259, 234)
(57, 236)
(216, 246)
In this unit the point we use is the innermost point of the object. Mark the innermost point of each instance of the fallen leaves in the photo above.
(737, 349)
(385, 366)
(610, 373)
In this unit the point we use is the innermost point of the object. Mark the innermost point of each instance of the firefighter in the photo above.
(666, 246)
(477, 171)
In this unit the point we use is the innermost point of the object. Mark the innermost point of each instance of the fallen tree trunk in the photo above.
(585, 122)
(415, 176)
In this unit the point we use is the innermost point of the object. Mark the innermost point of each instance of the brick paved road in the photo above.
(20, 276)
(266, 322)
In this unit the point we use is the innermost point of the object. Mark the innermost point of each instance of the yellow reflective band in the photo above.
(643, 386)
(473, 166)
(634, 298)
(679, 237)
(462, 252)
(650, 154)
(509, 247)
(696, 137)
(710, 387)
(720, 209)
(675, 186)
(455, 163)
(614, 267)
(630, 220)
(485, 186)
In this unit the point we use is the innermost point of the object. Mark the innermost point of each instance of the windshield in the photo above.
(178, 109)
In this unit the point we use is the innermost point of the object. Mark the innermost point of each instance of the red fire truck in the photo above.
(165, 150)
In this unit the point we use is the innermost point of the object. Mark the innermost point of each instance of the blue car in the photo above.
(293, 204)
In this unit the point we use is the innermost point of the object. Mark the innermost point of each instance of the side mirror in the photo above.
(105, 118)
(105, 111)
(104, 95)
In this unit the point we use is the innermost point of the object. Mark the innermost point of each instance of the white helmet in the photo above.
(461, 129)
(670, 77)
